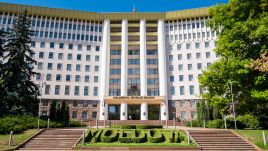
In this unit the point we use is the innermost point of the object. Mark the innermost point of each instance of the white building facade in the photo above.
(119, 66)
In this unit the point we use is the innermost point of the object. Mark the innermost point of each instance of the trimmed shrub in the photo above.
(195, 123)
(140, 136)
(123, 138)
(154, 136)
(109, 136)
(96, 136)
(177, 138)
(74, 123)
(249, 121)
(169, 136)
(148, 126)
(219, 123)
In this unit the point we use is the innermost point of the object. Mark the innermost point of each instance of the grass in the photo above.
(17, 138)
(255, 136)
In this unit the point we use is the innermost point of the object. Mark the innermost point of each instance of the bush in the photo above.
(96, 136)
(177, 138)
(169, 136)
(74, 123)
(109, 136)
(195, 123)
(123, 138)
(154, 136)
(148, 126)
(249, 121)
(219, 123)
(140, 136)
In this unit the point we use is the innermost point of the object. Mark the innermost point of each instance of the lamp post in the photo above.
(233, 106)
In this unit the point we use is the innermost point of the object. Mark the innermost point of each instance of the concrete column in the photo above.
(104, 75)
(162, 68)
(124, 64)
(143, 74)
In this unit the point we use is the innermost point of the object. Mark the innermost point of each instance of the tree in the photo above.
(243, 36)
(18, 91)
(65, 113)
(52, 111)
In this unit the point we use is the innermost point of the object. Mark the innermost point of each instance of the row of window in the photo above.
(84, 103)
(150, 81)
(182, 103)
(67, 90)
(197, 45)
(190, 36)
(62, 45)
(51, 55)
(134, 61)
(134, 52)
(189, 66)
(179, 25)
(181, 78)
(182, 90)
(134, 71)
(189, 56)
(40, 66)
(68, 78)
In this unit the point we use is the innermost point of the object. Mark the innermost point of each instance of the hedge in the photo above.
(123, 138)
(137, 126)
(140, 136)
(154, 136)
(96, 136)
(109, 136)
(169, 137)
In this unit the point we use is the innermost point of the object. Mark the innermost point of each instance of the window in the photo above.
(85, 90)
(171, 78)
(190, 66)
(38, 76)
(48, 77)
(59, 66)
(79, 46)
(60, 56)
(96, 78)
(115, 71)
(61, 46)
(153, 92)
(88, 47)
(197, 45)
(198, 55)
(182, 103)
(52, 45)
(69, 67)
(181, 77)
(57, 89)
(75, 103)
(115, 52)
(50, 55)
(41, 55)
(188, 46)
(67, 90)
(42, 44)
(47, 89)
(94, 115)
(45, 103)
(68, 78)
(192, 103)
(178, 46)
(170, 58)
(181, 90)
(208, 64)
(95, 91)
(87, 57)
(78, 57)
(97, 48)
(193, 115)
(118, 61)
(191, 77)
(206, 44)
(133, 71)
(77, 78)
(84, 115)
(49, 66)
(58, 77)
(152, 61)
(70, 56)
(70, 46)
(115, 81)
(171, 68)
(199, 66)
(180, 67)
(133, 61)
(96, 68)
(189, 56)
(172, 90)
(151, 52)
(179, 56)
(76, 90)
(207, 54)
(152, 71)
(173, 104)
(78, 67)
(40, 65)
(97, 58)
(191, 89)
(87, 68)
(86, 78)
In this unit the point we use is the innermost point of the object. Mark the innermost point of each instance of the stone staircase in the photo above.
(220, 140)
(53, 139)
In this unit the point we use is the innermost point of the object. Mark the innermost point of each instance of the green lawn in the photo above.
(18, 138)
(255, 136)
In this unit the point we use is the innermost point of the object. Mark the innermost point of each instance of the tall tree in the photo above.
(243, 36)
(19, 92)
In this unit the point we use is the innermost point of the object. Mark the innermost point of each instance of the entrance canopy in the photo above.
(134, 99)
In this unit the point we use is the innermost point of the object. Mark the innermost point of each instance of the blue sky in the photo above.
(120, 5)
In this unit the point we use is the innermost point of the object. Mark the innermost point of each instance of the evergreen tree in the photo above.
(58, 112)
(18, 91)
(53, 111)
(65, 113)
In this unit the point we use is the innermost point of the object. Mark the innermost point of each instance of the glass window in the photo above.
(70, 46)
(206, 44)
(48, 77)
(97, 48)
(95, 91)
(47, 89)
(190, 66)
(192, 103)
(197, 45)
(183, 115)
(96, 78)
(178, 46)
(59, 66)
(42, 44)
(70, 56)
(191, 89)
(78, 67)
(181, 90)
(180, 67)
(87, 68)
(188, 46)
(67, 90)
(198, 55)
(84, 115)
(208, 64)
(115, 71)
(88, 47)
(68, 78)
(115, 52)
(77, 78)
(76, 90)
(69, 67)
(172, 90)
(173, 104)
(189, 56)
(171, 78)
(94, 115)
(57, 89)
(85, 90)
(49, 66)
(181, 77)
(96, 68)
(50, 55)
(87, 57)
(191, 77)
(97, 58)
(41, 55)
(58, 77)
(40, 65)
(52, 45)
(60, 56)
(193, 115)
(207, 54)
(79, 46)
(199, 66)
(78, 57)
(182, 103)
(117, 61)
(179, 56)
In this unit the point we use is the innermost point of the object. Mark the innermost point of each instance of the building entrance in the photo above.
(114, 112)
(153, 112)
(134, 112)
